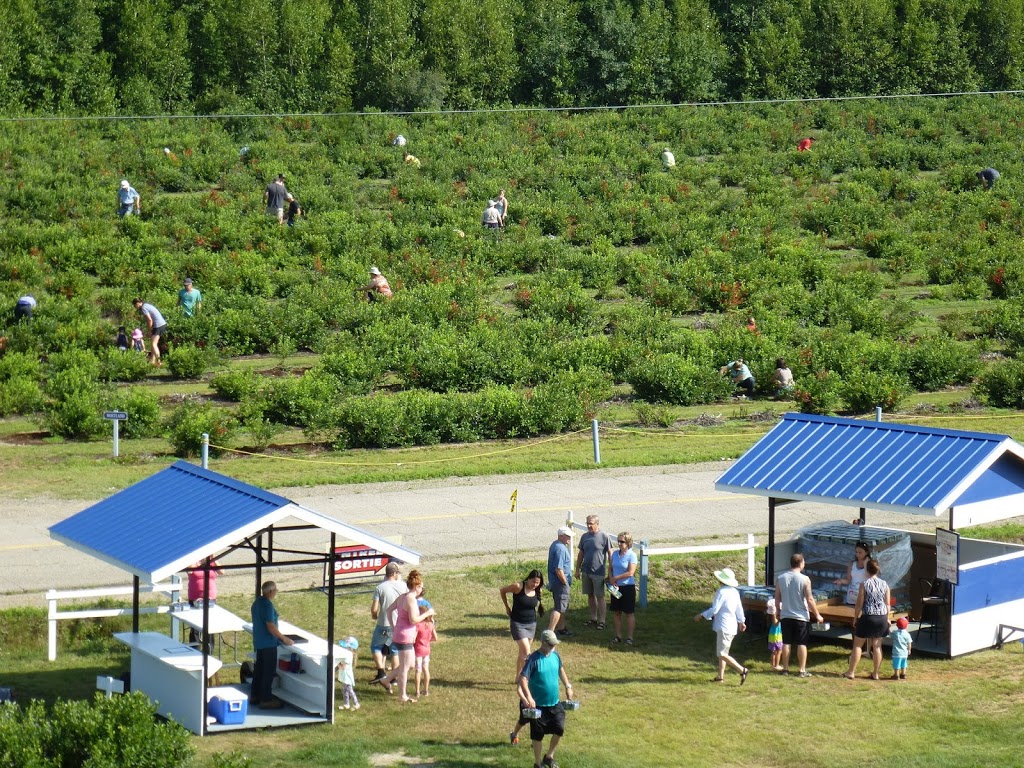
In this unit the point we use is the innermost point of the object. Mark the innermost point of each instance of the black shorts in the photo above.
(551, 722)
(160, 330)
(869, 625)
(626, 603)
(795, 632)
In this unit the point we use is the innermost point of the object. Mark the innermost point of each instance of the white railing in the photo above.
(53, 615)
(646, 552)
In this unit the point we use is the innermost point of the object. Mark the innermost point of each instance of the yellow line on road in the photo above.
(573, 507)
(31, 546)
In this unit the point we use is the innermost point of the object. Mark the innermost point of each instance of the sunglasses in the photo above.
(622, 541)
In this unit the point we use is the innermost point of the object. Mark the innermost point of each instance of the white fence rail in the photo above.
(646, 552)
(53, 615)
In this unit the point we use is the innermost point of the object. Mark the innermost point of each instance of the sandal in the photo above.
(743, 675)
(629, 641)
(600, 625)
(718, 680)
(616, 639)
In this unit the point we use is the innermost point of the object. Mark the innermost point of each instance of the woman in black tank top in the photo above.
(522, 618)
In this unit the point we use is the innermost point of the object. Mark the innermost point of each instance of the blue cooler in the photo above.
(228, 705)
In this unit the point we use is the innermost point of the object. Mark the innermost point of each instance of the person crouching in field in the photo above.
(726, 613)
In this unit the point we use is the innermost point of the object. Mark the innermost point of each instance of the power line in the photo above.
(508, 110)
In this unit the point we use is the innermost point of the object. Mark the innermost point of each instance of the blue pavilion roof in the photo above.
(170, 520)
(858, 463)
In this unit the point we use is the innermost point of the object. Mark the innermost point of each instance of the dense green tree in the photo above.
(931, 46)
(385, 51)
(851, 46)
(548, 43)
(70, 72)
(697, 53)
(995, 39)
(628, 50)
(304, 33)
(773, 58)
(151, 65)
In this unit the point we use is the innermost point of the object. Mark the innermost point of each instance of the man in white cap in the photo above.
(559, 580)
(538, 689)
(492, 216)
(128, 200)
(378, 287)
(726, 613)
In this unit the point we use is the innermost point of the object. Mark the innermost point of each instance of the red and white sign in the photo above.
(358, 559)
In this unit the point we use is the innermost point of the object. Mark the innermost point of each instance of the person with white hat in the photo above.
(538, 689)
(128, 200)
(668, 160)
(378, 287)
(559, 580)
(726, 613)
(492, 216)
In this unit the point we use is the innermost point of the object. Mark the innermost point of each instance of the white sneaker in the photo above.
(355, 706)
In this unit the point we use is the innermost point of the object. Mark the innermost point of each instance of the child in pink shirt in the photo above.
(426, 633)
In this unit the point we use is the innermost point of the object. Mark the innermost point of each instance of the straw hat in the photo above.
(727, 577)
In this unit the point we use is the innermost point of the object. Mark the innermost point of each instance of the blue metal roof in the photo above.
(162, 524)
(873, 464)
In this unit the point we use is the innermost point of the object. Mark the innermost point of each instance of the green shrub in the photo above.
(236, 384)
(143, 409)
(190, 420)
(188, 362)
(19, 365)
(817, 393)
(78, 414)
(939, 361)
(568, 400)
(863, 391)
(116, 365)
(1002, 385)
(20, 396)
(672, 378)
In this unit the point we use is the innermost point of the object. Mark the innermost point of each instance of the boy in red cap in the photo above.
(901, 642)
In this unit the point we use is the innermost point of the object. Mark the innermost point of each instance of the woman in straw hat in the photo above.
(726, 612)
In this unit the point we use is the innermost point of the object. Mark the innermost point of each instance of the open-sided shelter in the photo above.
(963, 478)
(185, 515)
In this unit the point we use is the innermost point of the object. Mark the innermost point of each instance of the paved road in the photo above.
(453, 522)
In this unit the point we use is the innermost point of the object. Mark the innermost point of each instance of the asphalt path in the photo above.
(456, 522)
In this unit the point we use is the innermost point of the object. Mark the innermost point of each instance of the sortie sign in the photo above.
(358, 559)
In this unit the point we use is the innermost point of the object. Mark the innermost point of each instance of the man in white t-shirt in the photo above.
(384, 597)
(795, 601)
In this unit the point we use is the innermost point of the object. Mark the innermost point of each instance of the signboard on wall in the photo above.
(947, 555)
(357, 564)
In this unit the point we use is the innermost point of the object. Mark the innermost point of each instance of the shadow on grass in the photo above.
(77, 683)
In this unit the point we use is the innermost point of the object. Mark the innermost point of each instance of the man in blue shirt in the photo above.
(538, 689)
(128, 200)
(559, 579)
(265, 639)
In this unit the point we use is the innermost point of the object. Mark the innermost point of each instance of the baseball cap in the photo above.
(125, 184)
(565, 531)
(188, 281)
(548, 636)
(392, 569)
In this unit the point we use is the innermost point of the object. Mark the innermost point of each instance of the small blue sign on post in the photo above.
(115, 416)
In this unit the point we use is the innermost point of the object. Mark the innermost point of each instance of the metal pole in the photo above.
(750, 559)
(878, 413)
(116, 451)
(597, 441)
(644, 570)
(769, 558)
(206, 450)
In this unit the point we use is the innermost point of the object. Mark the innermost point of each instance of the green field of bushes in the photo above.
(874, 263)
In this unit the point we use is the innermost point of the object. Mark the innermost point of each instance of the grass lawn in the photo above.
(652, 704)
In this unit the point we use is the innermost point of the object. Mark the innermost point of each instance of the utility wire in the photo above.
(511, 110)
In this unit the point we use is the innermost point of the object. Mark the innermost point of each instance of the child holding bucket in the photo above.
(901, 646)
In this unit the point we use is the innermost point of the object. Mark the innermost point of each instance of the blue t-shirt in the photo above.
(900, 643)
(620, 564)
(541, 673)
(558, 557)
(148, 310)
(263, 611)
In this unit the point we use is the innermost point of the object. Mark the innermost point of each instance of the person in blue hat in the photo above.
(347, 674)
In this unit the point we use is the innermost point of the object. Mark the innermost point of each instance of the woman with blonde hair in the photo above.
(624, 580)
(404, 616)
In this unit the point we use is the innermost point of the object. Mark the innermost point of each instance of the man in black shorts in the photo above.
(538, 689)
(795, 601)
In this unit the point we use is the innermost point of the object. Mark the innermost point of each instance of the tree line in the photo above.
(182, 56)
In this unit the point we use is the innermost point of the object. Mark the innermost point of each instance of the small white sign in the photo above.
(947, 555)
(115, 415)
